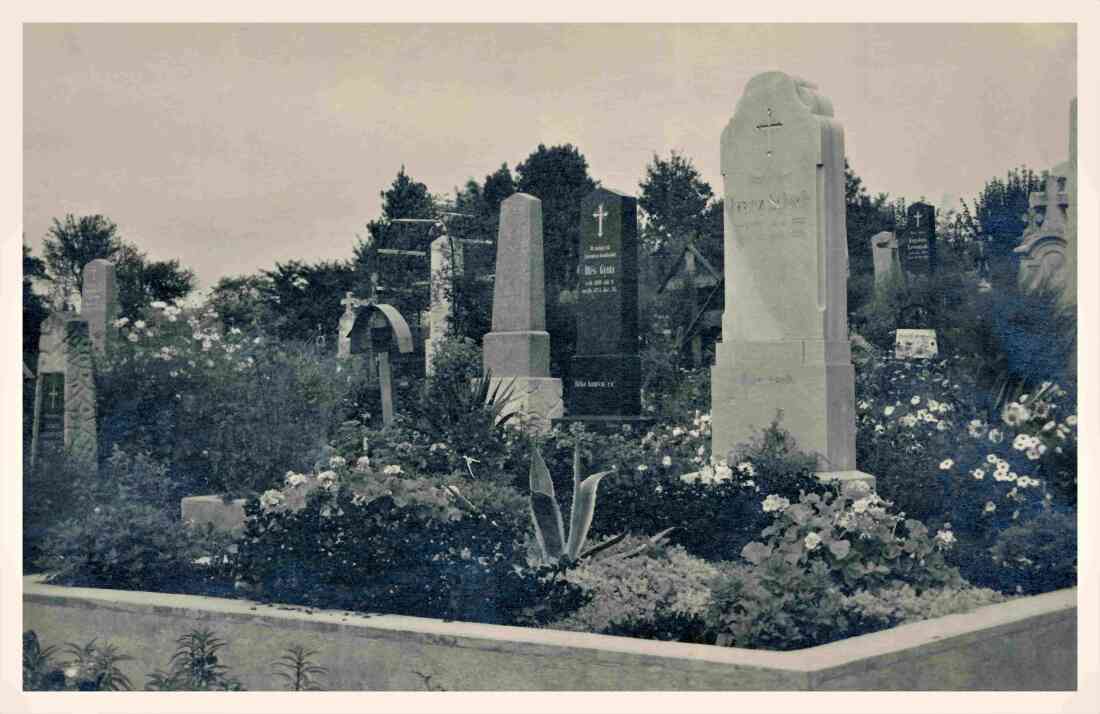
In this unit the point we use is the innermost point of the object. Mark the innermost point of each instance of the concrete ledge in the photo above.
(1026, 644)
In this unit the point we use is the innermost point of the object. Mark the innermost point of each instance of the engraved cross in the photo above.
(599, 215)
(53, 396)
(768, 128)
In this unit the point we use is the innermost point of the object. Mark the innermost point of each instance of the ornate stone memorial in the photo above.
(785, 345)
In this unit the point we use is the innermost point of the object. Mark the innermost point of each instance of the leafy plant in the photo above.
(546, 514)
(40, 672)
(297, 668)
(194, 666)
(94, 668)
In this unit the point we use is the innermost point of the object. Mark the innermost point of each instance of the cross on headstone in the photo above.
(53, 394)
(599, 215)
(768, 128)
(918, 220)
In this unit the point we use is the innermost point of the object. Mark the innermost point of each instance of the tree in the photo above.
(999, 215)
(75, 242)
(558, 176)
(675, 198)
(35, 309)
(304, 299)
(405, 198)
(142, 281)
(243, 301)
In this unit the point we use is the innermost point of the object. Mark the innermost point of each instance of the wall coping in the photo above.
(818, 664)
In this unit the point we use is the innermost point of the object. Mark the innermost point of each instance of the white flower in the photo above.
(1015, 414)
(996, 436)
(862, 504)
(989, 507)
(888, 410)
(915, 401)
(71, 672)
(1050, 425)
(992, 458)
(327, 479)
(677, 431)
(1021, 442)
(775, 503)
(1033, 454)
(392, 470)
(272, 498)
(121, 322)
(722, 472)
(746, 468)
(362, 463)
(946, 464)
(979, 474)
(941, 426)
(158, 304)
(294, 480)
(945, 537)
(689, 478)
(132, 337)
(909, 420)
(666, 461)
(812, 541)
(1071, 420)
(643, 467)
(337, 461)
(975, 428)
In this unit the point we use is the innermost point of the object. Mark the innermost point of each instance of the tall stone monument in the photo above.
(1071, 219)
(606, 368)
(1043, 247)
(920, 239)
(80, 408)
(518, 348)
(48, 429)
(785, 344)
(99, 303)
(884, 251)
(446, 263)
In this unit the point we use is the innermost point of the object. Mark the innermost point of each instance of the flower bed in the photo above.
(1028, 644)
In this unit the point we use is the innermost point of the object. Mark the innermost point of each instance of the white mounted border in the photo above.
(1026, 644)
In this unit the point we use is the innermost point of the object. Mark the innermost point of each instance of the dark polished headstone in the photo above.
(605, 375)
(920, 243)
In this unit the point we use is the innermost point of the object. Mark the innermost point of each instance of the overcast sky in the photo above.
(232, 147)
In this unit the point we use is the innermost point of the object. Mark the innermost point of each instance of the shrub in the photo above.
(870, 610)
(228, 412)
(1038, 555)
(384, 543)
(40, 672)
(816, 552)
(665, 480)
(94, 668)
(641, 590)
(131, 546)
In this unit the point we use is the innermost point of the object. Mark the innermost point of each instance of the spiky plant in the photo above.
(297, 668)
(97, 667)
(546, 514)
(194, 666)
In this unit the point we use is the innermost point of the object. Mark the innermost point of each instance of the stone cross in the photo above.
(1044, 248)
(785, 345)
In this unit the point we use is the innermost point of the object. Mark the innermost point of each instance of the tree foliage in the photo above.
(73, 243)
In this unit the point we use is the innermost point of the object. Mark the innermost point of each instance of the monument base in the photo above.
(223, 515)
(525, 352)
(540, 398)
(810, 382)
(847, 479)
(606, 385)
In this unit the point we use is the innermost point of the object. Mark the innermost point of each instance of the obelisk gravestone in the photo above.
(785, 344)
(80, 408)
(606, 368)
(518, 348)
(884, 251)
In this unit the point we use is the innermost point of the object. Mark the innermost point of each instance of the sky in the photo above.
(233, 147)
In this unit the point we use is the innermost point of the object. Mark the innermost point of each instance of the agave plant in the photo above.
(479, 402)
(546, 514)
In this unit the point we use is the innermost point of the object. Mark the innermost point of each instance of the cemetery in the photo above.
(819, 453)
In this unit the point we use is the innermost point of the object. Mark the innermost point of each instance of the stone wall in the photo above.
(1027, 644)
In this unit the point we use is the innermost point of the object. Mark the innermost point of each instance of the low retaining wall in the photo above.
(1027, 644)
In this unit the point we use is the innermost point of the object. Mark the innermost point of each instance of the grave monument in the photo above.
(920, 239)
(99, 303)
(785, 345)
(884, 250)
(517, 350)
